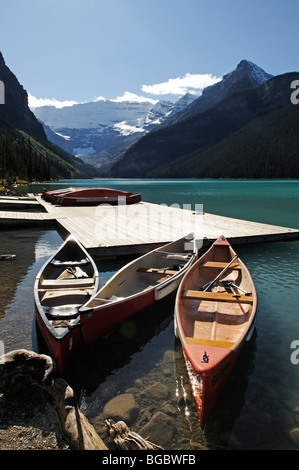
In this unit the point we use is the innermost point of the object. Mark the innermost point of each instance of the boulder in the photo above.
(294, 434)
(160, 429)
(123, 408)
(156, 391)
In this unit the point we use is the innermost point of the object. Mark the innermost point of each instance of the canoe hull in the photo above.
(90, 196)
(213, 325)
(65, 282)
(95, 201)
(138, 285)
(61, 350)
(207, 385)
(101, 321)
(50, 195)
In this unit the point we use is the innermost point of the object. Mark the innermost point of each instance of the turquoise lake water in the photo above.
(259, 407)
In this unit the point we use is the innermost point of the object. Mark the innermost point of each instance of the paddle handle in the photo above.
(223, 270)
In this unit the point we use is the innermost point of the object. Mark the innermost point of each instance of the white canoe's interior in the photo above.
(216, 317)
(67, 281)
(147, 271)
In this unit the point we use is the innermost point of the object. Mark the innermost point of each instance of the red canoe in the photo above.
(213, 320)
(49, 195)
(65, 282)
(95, 196)
(136, 286)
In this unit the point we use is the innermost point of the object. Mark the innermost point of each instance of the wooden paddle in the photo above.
(210, 284)
(230, 285)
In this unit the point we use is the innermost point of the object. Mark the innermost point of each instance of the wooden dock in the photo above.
(108, 231)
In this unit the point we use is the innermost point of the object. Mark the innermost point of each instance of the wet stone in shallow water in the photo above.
(156, 391)
(123, 407)
(160, 429)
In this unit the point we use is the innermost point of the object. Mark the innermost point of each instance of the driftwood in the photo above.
(7, 257)
(125, 439)
(20, 368)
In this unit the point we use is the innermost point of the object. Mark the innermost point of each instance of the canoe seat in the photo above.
(217, 296)
(176, 256)
(63, 311)
(58, 262)
(67, 283)
(210, 342)
(169, 272)
(219, 265)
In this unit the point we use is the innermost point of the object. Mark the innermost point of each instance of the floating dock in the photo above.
(111, 231)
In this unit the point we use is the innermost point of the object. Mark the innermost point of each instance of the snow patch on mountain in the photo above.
(125, 129)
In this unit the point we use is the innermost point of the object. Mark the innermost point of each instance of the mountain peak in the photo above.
(245, 75)
(246, 63)
(250, 70)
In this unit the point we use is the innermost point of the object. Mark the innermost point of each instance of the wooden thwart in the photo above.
(219, 265)
(217, 296)
(69, 283)
(168, 272)
(210, 342)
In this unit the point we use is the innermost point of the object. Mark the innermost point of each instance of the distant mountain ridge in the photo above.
(173, 150)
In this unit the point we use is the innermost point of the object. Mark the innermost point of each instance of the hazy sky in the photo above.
(84, 49)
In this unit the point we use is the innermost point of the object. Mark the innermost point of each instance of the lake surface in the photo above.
(259, 407)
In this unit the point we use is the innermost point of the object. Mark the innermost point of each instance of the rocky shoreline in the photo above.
(39, 410)
(30, 423)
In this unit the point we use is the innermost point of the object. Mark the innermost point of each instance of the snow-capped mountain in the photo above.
(95, 130)
(245, 75)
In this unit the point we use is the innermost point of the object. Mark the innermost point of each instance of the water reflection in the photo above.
(92, 365)
(13, 271)
(17, 279)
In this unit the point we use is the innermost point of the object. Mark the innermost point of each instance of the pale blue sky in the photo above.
(81, 49)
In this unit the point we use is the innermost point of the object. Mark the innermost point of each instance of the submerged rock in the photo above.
(159, 429)
(123, 408)
(156, 391)
(294, 434)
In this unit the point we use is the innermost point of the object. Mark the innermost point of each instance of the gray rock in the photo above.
(156, 391)
(160, 429)
(294, 434)
(123, 407)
